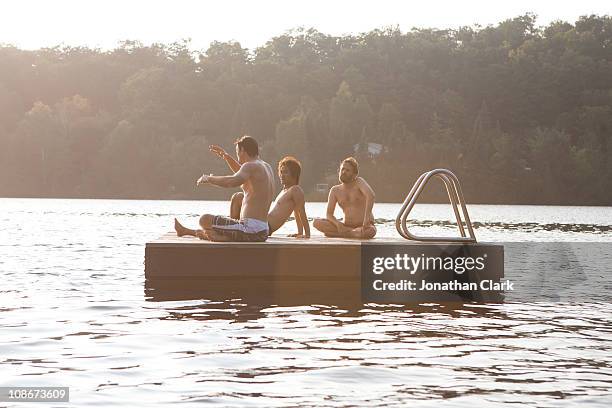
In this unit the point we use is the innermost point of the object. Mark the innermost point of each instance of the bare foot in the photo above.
(180, 230)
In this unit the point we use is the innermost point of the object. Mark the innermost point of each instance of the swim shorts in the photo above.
(244, 230)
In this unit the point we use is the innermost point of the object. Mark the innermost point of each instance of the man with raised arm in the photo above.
(257, 180)
(356, 198)
(289, 200)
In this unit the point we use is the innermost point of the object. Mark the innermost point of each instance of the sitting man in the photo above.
(257, 180)
(289, 200)
(356, 198)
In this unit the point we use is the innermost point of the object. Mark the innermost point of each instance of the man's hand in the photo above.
(229, 160)
(218, 150)
(366, 225)
(362, 232)
(203, 179)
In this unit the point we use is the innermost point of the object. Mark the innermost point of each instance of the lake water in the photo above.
(73, 313)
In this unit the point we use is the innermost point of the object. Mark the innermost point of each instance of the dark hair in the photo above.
(353, 162)
(249, 145)
(294, 166)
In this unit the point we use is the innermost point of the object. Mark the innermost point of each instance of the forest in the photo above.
(522, 113)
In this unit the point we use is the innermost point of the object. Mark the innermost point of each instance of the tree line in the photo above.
(520, 112)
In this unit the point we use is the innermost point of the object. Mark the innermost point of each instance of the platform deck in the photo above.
(280, 268)
(170, 239)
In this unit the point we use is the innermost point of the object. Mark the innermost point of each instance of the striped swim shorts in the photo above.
(244, 230)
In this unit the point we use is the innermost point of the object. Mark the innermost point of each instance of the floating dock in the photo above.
(286, 270)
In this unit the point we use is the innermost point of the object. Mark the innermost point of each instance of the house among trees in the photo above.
(369, 148)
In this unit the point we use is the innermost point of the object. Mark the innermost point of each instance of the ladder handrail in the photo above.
(455, 195)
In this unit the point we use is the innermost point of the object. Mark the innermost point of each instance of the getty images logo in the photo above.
(412, 264)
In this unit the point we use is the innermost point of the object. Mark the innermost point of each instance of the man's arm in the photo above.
(331, 206)
(300, 212)
(236, 180)
(298, 223)
(231, 162)
(367, 191)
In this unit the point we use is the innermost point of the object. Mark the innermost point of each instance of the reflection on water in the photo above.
(73, 313)
(423, 353)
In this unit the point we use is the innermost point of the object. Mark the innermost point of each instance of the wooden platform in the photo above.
(281, 270)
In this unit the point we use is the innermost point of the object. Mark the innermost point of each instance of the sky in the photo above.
(32, 24)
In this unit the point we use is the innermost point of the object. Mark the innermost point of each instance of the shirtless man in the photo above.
(290, 199)
(257, 180)
(356, 198)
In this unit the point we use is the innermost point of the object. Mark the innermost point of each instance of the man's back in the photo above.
(258, 190)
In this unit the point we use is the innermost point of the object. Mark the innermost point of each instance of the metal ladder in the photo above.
(455, 195)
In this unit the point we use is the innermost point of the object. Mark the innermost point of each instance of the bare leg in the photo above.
(362, 233)
(330, 230)
(236, 205)
(182, 231)
(326, 227)
(200, 233)
(206, 221)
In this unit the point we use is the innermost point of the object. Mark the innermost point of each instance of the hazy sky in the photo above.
(33, 24)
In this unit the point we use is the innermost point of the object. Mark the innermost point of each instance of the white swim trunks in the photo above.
(244, 230)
